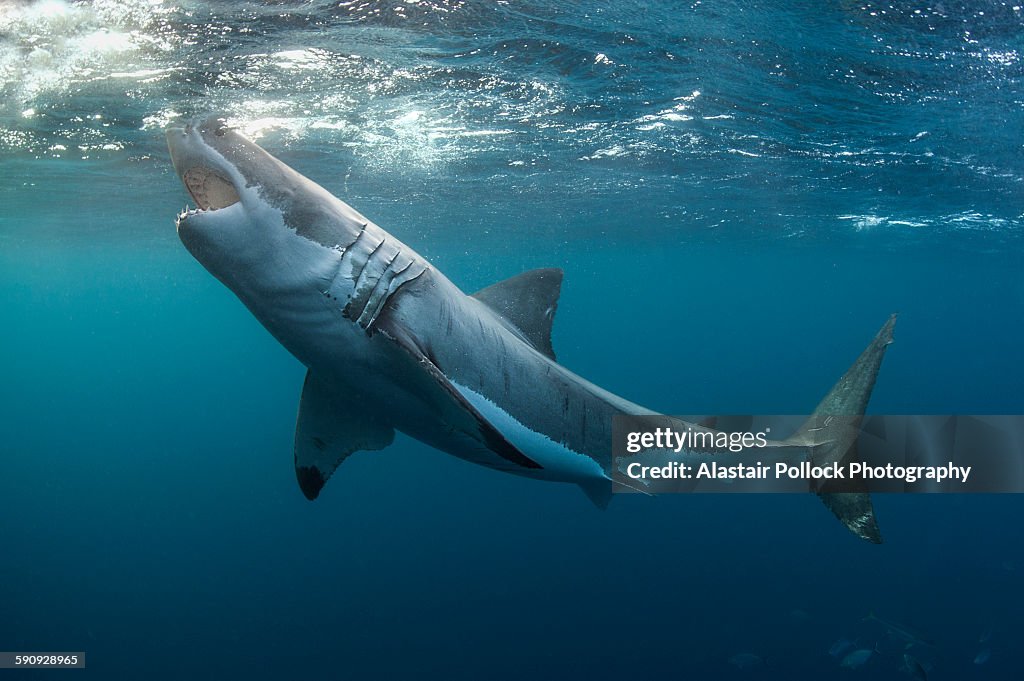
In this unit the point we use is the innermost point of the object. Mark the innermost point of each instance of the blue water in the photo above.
(739, 194)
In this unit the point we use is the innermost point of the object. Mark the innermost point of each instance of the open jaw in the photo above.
(209, 189)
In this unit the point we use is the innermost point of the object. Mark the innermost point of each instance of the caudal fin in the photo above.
(831, 435)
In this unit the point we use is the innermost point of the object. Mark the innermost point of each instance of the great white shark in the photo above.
(390, 343)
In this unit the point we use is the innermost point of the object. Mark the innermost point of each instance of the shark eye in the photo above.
(221, 129)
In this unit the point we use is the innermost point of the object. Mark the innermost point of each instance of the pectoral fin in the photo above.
(329, 429)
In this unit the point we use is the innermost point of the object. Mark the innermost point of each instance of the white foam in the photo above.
(60, 45)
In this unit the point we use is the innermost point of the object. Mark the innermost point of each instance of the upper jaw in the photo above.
(197, 166)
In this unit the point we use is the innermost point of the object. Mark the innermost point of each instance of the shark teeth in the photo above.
(185, 213)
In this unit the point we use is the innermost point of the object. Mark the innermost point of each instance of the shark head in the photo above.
(271, 235)
(224, 173)
(247, 201)
(289, 249)
(258, 225)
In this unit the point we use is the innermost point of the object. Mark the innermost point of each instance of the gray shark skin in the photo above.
(391, 344)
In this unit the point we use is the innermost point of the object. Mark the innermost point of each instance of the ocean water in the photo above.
(739, 194)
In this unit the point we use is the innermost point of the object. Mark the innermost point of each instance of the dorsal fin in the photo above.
(528, 301)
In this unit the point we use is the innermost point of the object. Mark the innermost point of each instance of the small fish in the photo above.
(857, 659)
(841, 647)
(986, 635)
(983, 656)
(899, 632)
(913, 668)
(745, 661)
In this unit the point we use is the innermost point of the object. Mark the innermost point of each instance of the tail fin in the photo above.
(831, 434)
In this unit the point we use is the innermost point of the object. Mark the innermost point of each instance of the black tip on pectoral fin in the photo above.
(329, 428)
(311, 481)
